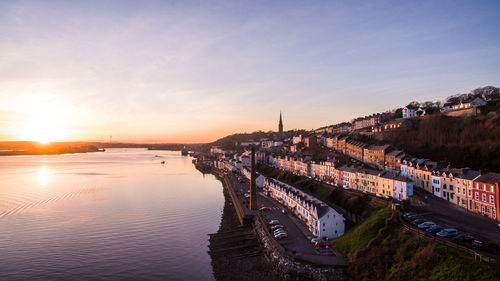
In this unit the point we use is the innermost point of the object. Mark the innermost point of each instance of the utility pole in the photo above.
(253, 187)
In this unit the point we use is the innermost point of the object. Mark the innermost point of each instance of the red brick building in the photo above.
(485, 192)
(311, 141)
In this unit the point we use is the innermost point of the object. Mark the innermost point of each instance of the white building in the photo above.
(297, 139)
(322, 220)
(259, 179)
(402, 188)
(436, 182)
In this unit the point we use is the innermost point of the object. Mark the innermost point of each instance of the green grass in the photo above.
(394, 254)
(457, 265)
(358, 237)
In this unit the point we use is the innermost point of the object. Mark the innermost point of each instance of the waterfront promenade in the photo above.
(299, 237)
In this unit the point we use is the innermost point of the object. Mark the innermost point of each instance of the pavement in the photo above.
(299, 237)
(449, 215)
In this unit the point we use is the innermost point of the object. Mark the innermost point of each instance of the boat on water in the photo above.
(162, 162)
(101, 149)
(184, 151)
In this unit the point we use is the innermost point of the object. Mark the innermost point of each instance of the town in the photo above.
(338, 157)
(381, 170)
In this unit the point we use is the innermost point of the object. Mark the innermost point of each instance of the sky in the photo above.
(195, 71)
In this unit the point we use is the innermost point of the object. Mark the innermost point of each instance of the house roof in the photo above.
(395, 153)
(490, 178)
(356, 143)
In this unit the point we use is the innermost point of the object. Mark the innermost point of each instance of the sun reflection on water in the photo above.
(43, 176)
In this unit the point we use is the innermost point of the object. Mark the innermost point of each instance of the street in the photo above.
(298, 235)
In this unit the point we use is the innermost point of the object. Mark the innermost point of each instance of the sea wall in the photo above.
(291, 268)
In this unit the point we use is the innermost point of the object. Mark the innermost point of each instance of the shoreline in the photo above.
(235, 250)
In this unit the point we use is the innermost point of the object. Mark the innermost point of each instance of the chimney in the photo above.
(253, 188)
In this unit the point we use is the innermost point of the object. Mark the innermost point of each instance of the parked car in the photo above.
(276, 226)
(314, 240)
(407, 215)
(265, 209)
(247, 195)
(281, 236)
(426, 225)
(417, 221)
(462, 239)
(274, 222)
(283, 211)
(434, 229)
(278, 231)
(448, 233)
(411, 217)
(321, 244)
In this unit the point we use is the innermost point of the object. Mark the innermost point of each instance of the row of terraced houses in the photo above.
(381, 183)
(476, 191)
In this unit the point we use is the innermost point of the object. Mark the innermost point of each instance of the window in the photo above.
(484, 187)
(477, 185)
(477, 195)
(492, 199)
(451, 187)
(491, 188)
(484, 197)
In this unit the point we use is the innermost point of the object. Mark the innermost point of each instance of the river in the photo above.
(114, 215)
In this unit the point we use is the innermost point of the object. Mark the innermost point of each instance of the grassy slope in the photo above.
(379, 250)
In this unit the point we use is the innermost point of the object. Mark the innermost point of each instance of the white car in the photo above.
(314, 240)
(274, 222)
(281, 235)
(274, 227)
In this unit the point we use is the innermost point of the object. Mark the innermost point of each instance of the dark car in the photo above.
(434, 229)
(417, 221)
(448, 233)
(407, 216)
(264, 209)
(462, 239)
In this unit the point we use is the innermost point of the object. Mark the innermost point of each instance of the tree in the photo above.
(406, 205)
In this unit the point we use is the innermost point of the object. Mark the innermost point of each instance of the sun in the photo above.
(42, 131)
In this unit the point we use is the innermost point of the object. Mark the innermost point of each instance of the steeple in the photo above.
(280, 126)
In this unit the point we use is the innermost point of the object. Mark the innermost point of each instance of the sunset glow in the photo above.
(42, 131)
(156, 73)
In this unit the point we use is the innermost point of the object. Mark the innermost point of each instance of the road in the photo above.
(298, 235)
(450, 215)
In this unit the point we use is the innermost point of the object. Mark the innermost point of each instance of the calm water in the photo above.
(117, 215)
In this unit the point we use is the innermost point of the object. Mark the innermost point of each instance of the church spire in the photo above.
(280, 126)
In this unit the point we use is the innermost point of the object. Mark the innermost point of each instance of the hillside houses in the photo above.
(465, 104)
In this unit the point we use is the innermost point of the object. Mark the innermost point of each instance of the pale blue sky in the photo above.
(198, 70)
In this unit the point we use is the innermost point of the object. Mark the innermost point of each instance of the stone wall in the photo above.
(288, 267)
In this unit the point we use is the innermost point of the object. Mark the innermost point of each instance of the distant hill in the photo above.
(472, 142)
(228, 142)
